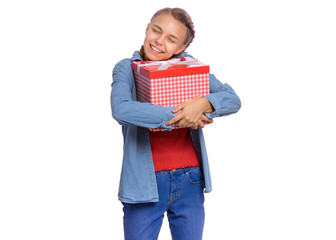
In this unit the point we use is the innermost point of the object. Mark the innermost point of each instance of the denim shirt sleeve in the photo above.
(223, 98)
(129, 112)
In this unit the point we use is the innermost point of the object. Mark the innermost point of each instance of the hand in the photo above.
(184, 123)
(191, 113)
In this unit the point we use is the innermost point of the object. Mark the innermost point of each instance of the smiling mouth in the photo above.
(155, 49)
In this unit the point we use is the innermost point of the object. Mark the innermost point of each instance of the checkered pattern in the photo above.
(171, 91)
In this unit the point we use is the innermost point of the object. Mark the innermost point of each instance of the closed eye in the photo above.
(155, 30)
(171, 40)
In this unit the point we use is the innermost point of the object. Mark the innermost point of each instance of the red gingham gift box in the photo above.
(171, 82)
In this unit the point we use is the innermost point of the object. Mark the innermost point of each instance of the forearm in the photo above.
(134, 113)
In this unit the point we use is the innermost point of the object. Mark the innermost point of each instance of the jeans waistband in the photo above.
(177, 171)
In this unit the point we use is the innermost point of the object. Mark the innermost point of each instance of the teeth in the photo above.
(155, 49)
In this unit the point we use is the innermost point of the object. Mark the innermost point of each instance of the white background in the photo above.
(273, 163)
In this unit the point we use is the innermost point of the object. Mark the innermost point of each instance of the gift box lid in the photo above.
(170, 68)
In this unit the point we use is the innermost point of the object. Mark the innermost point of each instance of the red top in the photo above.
(173, 149)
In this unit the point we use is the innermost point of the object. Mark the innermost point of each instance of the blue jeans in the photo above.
(181, 196)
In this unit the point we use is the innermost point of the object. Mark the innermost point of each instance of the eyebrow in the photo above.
(171, 35)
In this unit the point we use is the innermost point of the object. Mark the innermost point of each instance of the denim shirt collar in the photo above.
(136, 56)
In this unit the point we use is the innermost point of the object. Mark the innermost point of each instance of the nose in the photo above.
(159, 40)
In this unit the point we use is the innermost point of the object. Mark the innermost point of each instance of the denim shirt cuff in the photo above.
(167, 116)
(213, 102)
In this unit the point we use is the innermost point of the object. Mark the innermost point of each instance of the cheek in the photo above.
(170, 47)
(174, 49)
(146, 40)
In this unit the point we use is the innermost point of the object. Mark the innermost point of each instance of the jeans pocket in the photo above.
(195, 176)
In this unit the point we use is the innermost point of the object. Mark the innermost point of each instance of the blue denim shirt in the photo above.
(138, 180)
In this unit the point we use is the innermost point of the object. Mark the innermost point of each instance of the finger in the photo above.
(179, 108)
(206, 119)
(175, 119)
(201, 124)
(183, 123)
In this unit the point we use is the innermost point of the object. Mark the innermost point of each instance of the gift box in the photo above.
(171, 82)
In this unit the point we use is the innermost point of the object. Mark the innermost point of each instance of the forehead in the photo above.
(170, 25)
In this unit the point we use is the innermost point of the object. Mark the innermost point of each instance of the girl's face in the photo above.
(165, 36)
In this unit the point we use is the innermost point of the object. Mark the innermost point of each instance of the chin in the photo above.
(152, 56)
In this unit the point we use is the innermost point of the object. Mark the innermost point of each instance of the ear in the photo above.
(147, 28)
(181, 49)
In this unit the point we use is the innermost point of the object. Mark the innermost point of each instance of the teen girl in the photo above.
(165, 171)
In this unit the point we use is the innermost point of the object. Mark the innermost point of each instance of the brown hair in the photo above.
(183, 17)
